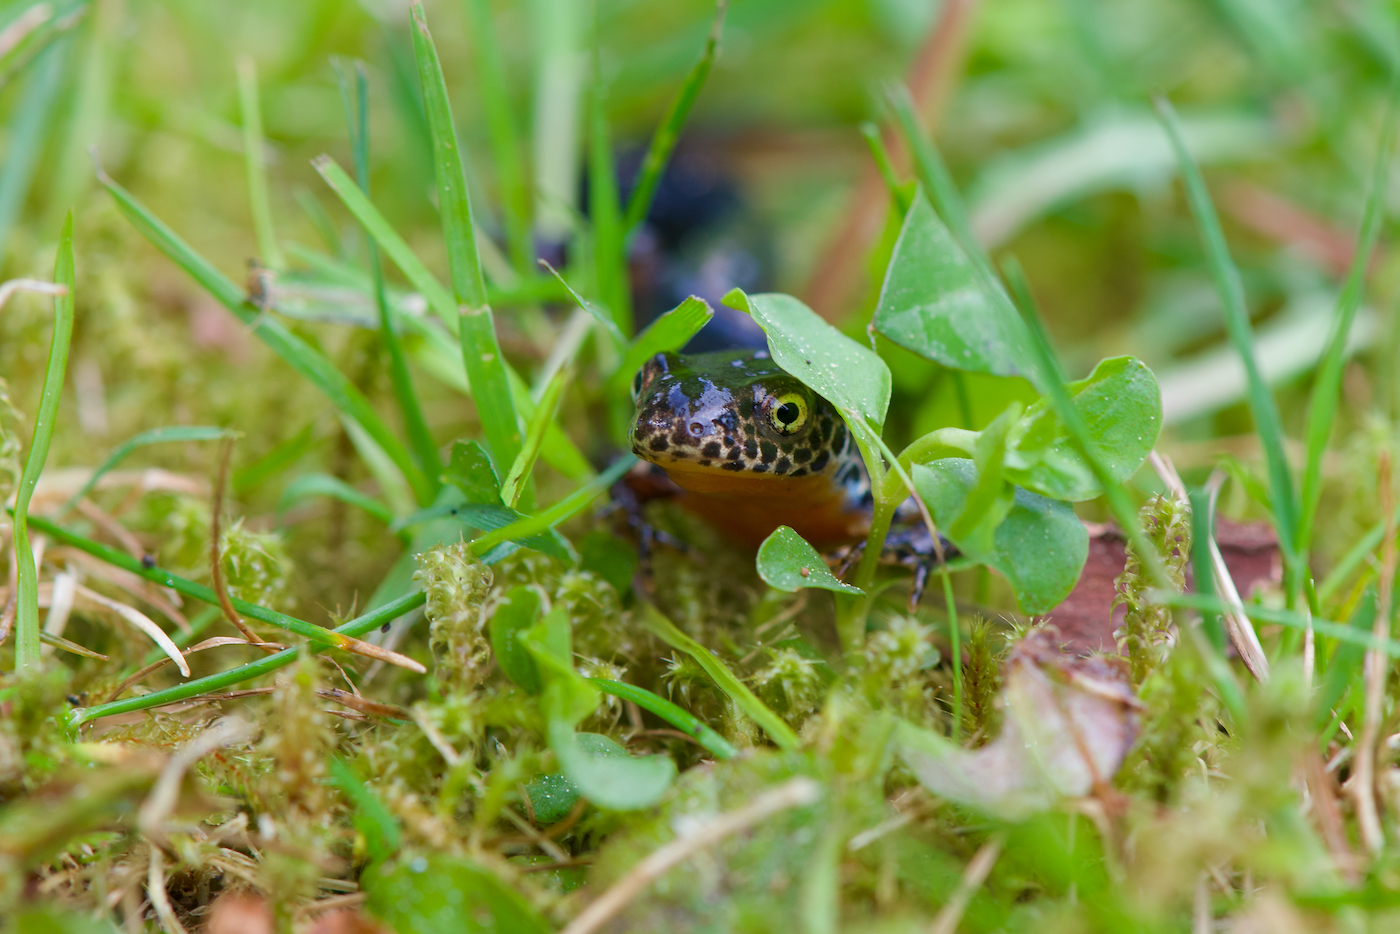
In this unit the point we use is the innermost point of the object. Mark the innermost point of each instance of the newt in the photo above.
(749, 448)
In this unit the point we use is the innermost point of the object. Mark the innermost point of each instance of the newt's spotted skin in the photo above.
(751, 447)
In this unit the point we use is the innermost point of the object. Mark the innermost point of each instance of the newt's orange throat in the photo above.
(752, 446)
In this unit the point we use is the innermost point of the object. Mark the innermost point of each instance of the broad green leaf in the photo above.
(516, 614)
(552, 796)
(1039, 547)
(440, 894)
(154, 436)
(602, 771)
(320, 484)
(840, 370)
(787, 562)
(934, 302)
(470, 470)
(606, 774)
(1121, 407)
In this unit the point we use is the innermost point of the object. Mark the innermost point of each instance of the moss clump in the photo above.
(256, 564)
(791, 684)
(1146, 630)
(456, 583)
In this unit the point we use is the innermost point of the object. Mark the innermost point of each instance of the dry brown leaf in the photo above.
(1069, 721)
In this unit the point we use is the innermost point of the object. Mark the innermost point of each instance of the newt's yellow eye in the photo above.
(788, 412)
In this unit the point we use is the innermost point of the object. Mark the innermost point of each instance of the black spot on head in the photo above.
(734, 454)
(705, 462)
(711, 449)
(759, 468)
(751, 448)
(659, 443)
(682, 439)
(820, 461)
(732, 465)
(782, 466)
(802, 455)
(749, 430)
(799, 472)
(770, 451)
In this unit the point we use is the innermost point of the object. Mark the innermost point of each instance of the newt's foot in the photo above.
(910, 546)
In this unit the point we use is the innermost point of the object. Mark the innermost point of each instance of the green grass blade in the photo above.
(481, 353)
(397, 249)
(553, 515)
(253, 143)
(354, 628)
(154, 436)
(28, 128)
(1261, 401)
(27, 603)
(519, 475)
(283, 455)
(321, 484)
(1053, 380)
(302, 357)
(33, 31)
(929, 167)
(724, 679)
(420, 440)
(671, 331)
(605, 213)
(505, 140)
(318, 634)
(663, 141)
(1322, 406)
(881, 155)
(678, 717)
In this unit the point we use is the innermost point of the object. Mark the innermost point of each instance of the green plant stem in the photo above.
(27, 575)
(955, 647)
(354, 629)
(681, 719)
(259, 202)
(318, 634)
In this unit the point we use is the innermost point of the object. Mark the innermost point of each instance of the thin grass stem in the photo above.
(27, 642)
(227, 679)
(259, 202)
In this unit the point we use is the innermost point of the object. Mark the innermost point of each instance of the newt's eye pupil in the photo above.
(787, 413)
